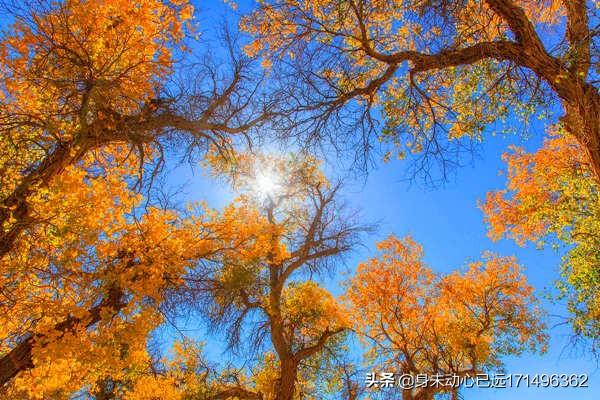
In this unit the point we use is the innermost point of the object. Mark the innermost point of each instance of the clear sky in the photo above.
(449, 225)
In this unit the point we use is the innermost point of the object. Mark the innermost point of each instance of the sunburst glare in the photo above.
(266, 183)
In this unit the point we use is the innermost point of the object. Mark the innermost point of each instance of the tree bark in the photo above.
(580, 99)
(287, 379)
(582, 120)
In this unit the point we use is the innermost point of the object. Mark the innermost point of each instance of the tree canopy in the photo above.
(418, 322)
(436, 70)
(552, 198)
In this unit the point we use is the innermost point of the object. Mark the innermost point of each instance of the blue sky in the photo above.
(449, 225)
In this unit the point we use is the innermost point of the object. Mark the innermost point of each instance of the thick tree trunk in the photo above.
(16, 205)
(580, 99)
(582, 120)
(286, 384)
(18, 359)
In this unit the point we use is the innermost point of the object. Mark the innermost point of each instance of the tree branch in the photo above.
(309, 351)
(20, 357)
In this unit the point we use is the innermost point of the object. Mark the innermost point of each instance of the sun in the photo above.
(266, 184)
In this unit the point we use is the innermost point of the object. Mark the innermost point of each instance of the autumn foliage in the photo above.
(417, 322)
(552, 198)
(68, 81)
(99, 264)
(263, 293)
(436, 70)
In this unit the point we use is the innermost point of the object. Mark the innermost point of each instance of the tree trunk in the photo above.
(16, 205)
(582, 120)
(18, 359)
(286, 384)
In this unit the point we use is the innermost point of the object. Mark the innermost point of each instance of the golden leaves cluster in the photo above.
(551, 197)
(422, 322)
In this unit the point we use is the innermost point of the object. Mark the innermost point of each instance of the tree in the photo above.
(265, 291)
(417, 322)
(81, 292)
(436, 70)
(552, 197)
(88, 102)
(79, 75)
